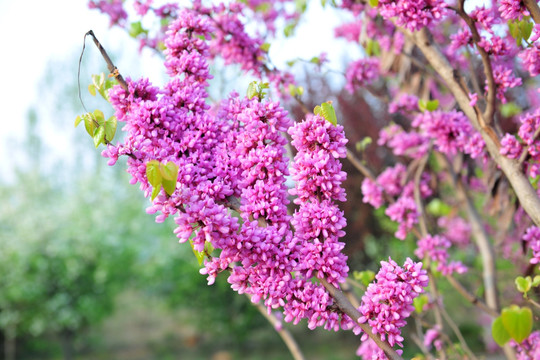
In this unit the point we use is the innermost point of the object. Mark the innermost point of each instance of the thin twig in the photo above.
(470, 297)
(486, 61)
(285, 334)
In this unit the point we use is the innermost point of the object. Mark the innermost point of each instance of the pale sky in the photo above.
(35, 32)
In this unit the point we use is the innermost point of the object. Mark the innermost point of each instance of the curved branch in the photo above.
(520, 183)
(533, 8)
(285, 334)
(344, 305)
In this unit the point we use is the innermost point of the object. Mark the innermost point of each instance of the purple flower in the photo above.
(361, 72)
(412, 14)
(512, 9)
(532, 236)
(531, 59)
(387, 302)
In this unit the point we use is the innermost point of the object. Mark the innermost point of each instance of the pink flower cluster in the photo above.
(435, 248)
(451, 132)
(513, 148)
(318, 221)
(113, 8)
(504, 80)
(433, 338)
(532, 237)
(412, 14)
(388, 302)
(361, 72)
(528, 349)
(531, 59)
(512, 9)
(392, 181)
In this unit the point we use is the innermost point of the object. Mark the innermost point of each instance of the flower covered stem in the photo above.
(345, 305)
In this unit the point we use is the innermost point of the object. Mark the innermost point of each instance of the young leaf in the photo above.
(153, 174)
(432, 105)
(373, 3)
(199, 255)
(155, 192)
(78, 119)
(110, 128)
(419, 303)
(169, 171)
(328, 112)
(169, 186)
(99, 117)
(523, 284)
(317, 110)
(99, 136)
(252, 89)
(499, 333)
(89, 124)
(536, 281)
(517, 322)
(526, 27)
(265, 47)
(92, 89)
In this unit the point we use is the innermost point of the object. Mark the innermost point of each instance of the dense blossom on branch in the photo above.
(453, 91)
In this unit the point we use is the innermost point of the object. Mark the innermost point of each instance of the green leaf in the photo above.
(135, 29)
(89, 123)
(517, 322)
(99, 136)
(432, 105)
(78, 120)
(289, 29)
(265, 47)
(92, 89)
(363, 144)
(419, 303)
(252, 89)
(199, 255)
(438, 208)
(300, 90)
(526, 27)
(374, 3)
(365, 277)
(315, 60)
(523, 284)
(317, 110)
(292, 90)
(513, 28)
(510, 109)
(422, 105)
(169, 171)
(499, 333)
(536, 281)
(155, 192)
(169, 186)
(153, 174)
(99, 117)
(110, 128)
(328, 112)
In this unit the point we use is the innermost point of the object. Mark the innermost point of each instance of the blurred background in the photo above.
(85, 273)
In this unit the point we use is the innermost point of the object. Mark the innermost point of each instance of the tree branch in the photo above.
(524, 191)
(533, 8)
(285, 334)
(344, 305)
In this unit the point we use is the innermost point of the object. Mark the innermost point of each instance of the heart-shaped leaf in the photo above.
(499, 333)
(523, 284)
(517, 322)
(153, 174)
